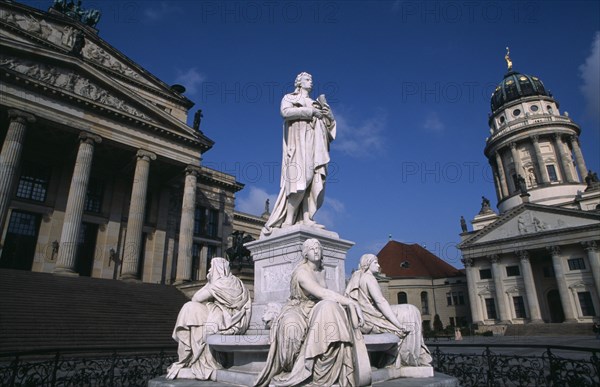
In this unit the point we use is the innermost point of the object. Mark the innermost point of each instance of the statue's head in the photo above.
(303, 81)
(369, 262)
(219, 267)
(312, 250)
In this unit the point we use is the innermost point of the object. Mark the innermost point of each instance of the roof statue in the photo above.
(89, 17)
(507, 59)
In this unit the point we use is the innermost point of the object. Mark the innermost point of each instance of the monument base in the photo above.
(276, 256)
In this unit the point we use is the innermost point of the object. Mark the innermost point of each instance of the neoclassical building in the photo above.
(537, 259)
(414, 275)
(99, 173)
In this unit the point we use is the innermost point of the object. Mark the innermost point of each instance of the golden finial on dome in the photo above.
(507, 59)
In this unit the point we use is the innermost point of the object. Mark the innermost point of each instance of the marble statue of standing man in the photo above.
(308, 129)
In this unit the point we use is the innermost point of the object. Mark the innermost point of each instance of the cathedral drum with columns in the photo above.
(99, 173)
(537, 260)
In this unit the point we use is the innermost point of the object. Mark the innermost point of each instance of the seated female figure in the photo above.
(222, 306)
(311, 340)
(380, 317)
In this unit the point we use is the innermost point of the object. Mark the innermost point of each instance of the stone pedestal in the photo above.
(276, 256)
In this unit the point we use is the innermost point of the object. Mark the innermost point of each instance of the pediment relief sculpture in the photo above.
(69, 82)
(64, 36)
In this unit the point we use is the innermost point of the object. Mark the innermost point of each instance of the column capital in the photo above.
(590, 246)
(523, 255)
(554, 250)
(89, 138)
(192, 170)
(145, 155)
(494, 258)
(558, 136)
(535, 138)
(21, 116)
(513, 145)
(468, 262)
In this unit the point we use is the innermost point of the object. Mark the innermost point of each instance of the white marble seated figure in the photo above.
(222, 307)
(312, 339)
(380, 317)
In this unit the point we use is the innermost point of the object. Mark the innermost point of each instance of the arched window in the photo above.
(424, 303)
(402, 298)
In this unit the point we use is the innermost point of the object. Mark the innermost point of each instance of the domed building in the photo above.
(536, 260)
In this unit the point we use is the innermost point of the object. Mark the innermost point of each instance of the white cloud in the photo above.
(361, 139)
(164, 9)
(433, 123)
(190, 78)
(590, 74)
(252, 200)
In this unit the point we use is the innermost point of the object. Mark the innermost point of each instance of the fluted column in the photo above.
(543, 172)
(517, 163)
(563, 290)
(564, 158)
(594, 259)
(69, 237)
(186, 228)
(501, 175)
(535, 315)
(581, 167)
(10, 157)
(500, 294)
(472, 287)
(135, 221)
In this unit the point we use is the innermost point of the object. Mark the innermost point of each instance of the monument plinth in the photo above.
(276, 256)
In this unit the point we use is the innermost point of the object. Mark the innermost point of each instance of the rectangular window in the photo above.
(94, 196)
(449, 298)
(519, 307)
(211, 252)
(199, 221)
(451, 321)
(576, 264)
(587, 306)
(485, 274)
(33, 182)
(212, 227)
(552, 172)
(490, 307)
(196, 248)
(455, 298)
(512, 271)
(22, 223)
(461, 298)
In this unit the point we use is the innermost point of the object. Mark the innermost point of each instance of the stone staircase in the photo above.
(553, 329)
(44, 311)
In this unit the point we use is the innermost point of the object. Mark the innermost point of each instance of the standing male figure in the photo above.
(308, 129)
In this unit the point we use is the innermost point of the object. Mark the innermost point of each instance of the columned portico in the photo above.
(472, 288)
(135, 221)
(543, 173)
(532, 300)
(10, 157)
(67, 250)
(186, 229)
(594, 258)
(499, 286)
(563, 290)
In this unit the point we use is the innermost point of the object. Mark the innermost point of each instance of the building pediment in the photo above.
(532, 220)
(61, 34)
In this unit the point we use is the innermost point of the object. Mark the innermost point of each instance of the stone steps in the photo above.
(45, 311)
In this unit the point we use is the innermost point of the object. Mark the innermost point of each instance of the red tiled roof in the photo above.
(421, 262)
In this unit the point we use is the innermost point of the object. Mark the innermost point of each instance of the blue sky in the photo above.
(408, 81)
